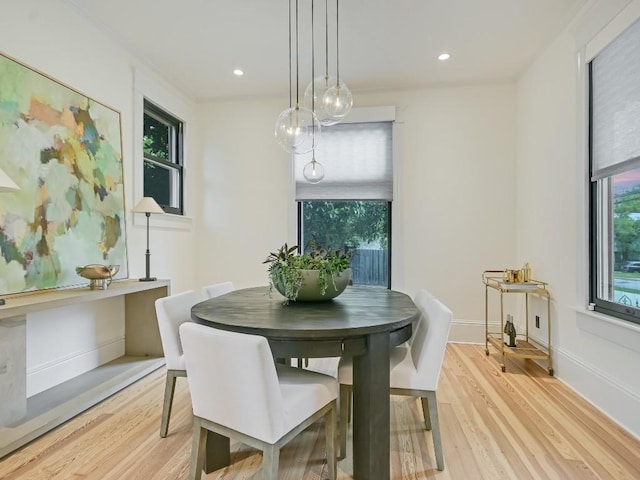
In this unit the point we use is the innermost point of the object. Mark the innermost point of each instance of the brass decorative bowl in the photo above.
(100, 276)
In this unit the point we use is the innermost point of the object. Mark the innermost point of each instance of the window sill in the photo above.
(609, 328)
(167, 220)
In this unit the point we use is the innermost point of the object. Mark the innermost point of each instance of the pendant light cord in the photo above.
(313, 64)
(313, 88)
(337, 45)
(297, 61)
(290, 97)
(326, 39)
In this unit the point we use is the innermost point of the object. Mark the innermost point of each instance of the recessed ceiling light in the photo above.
(444, 56)
(238, 72)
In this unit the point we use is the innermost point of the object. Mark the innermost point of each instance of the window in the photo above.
(163, 158)
(615, 177)
(361, 226)
(351, 207)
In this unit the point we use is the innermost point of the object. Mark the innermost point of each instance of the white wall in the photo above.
(595, 355)
(243, 190)
(454, 182)
(489, 176)
(54, 39)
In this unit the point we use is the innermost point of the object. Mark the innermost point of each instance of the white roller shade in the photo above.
(357, 160)
(615, 89)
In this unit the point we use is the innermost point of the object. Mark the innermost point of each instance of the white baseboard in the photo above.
(53, 373)
(468, 331)
(610, 397)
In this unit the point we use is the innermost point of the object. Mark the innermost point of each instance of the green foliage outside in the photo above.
(155, 140)
(147, 146)
(626, 228)
(336, 224)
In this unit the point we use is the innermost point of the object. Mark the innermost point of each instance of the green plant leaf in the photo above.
(285, 268)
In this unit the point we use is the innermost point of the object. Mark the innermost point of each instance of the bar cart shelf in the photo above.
(526, 347)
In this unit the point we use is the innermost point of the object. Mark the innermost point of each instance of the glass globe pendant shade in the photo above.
(313, 172)
(338, 100)
(297, 130)
(317, 102)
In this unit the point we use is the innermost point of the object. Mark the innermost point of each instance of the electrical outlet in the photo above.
(3, 369)
(537, 321)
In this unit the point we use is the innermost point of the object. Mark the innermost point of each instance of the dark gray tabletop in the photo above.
(363, 322)
(357, 312)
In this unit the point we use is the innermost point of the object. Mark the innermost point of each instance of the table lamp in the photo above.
(147, 206)
(6, 185)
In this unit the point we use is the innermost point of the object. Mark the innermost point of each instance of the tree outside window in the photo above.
(361, 226)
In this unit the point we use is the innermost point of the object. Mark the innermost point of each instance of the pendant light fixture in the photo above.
(297, 128)
(338, 99)
(313, 171)
(314, 93)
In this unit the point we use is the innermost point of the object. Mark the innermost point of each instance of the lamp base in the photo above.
(148, 279)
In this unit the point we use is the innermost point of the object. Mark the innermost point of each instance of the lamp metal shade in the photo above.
(147, 205)
(6, 184)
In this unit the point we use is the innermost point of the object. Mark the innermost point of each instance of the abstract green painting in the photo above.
(64, 151)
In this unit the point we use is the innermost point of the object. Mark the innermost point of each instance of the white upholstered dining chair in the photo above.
(172, 311)
(250, 399)
(217, 289)
(415, 368)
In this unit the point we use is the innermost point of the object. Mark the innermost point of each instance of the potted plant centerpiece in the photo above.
(314, 276)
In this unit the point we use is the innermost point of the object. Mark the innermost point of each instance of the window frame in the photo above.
(175, 150)
(389, 234)
(383, 113)
(368, 119)
(599, 208)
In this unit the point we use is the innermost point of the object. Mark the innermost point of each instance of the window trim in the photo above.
(368, 114)
(148, 85)
(619, 311)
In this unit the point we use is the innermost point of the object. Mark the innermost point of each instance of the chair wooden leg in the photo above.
(425, 412)
(270, 459)
(345, 396)
(435, 432)
(331, 433)
(169, 388)
(198, 446)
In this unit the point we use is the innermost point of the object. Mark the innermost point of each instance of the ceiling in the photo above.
(384, 44)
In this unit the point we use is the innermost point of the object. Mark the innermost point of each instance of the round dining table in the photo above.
(363, 322)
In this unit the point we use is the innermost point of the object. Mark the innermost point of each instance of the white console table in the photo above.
(22, 419)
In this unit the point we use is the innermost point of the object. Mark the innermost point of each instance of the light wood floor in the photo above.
(521, 424)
